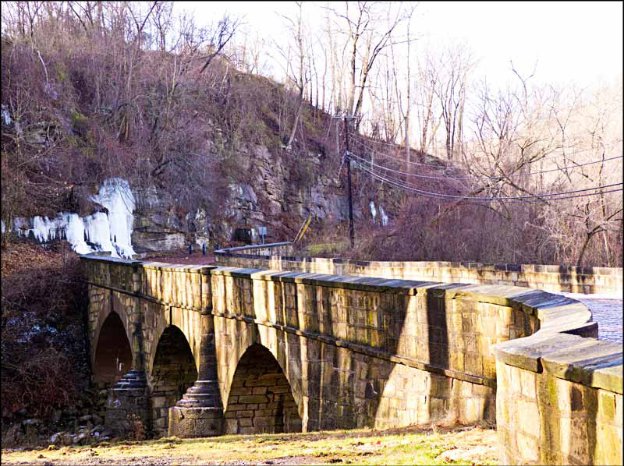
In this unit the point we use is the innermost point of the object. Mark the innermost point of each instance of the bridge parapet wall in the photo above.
(559, 400)
(181, 286)
(270, 249)
(436, 338)
(545, 277)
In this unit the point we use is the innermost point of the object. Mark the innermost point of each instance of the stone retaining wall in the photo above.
(574, 279)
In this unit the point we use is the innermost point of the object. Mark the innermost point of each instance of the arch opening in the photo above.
(173, 372)
(113, 355)
(260, 399)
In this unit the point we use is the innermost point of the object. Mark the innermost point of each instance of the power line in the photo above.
(415, 175)
(531, 198)
(415, 189)
(396, 147)
(496, 178)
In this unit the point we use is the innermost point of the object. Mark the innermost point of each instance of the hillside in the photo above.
(204, 148)
(202, 157)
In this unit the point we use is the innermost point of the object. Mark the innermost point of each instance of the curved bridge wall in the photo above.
(544, 277)
(559, 393)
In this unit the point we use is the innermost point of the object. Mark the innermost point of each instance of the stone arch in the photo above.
(111, 304)
(173, 371)
(113, 353)
(158, 319)
(260, 398)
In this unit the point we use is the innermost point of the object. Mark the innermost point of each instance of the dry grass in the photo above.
(362, 446)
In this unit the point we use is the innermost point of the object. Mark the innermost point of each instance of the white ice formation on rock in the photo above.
(109, 231)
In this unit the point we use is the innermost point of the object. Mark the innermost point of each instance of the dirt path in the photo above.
(362, 446)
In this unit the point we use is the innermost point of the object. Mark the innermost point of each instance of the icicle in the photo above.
(20, 225)
(6, 116)
(373, 210)
(43, 229)
(98, 232)
(75, 233)
(384, 217)
(116, 196)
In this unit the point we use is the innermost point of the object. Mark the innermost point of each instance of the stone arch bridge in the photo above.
(204, 350)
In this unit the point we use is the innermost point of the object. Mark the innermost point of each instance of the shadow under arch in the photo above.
(260, 398)
(173, 372)
(113, 354)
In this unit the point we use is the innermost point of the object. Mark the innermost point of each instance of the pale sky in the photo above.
(577, 42)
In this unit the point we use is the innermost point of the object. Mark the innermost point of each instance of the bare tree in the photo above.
(454, 66)
(425, 104)
(367, 33)
(298, 68)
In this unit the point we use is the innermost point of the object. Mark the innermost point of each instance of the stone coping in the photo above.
(205, 269)
(502, 267)
(117, 260)
(545, 306)
(588, 361)
(189, 268)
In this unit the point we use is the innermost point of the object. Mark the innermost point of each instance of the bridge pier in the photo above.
(128, 404)
(200, 411)
(127, 407)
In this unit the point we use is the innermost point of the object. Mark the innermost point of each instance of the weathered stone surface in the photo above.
(353, 351)
(610, 378)
(547, 278)
(195, 422)
(579, 362)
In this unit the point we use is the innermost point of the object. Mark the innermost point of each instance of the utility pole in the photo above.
(348, 160)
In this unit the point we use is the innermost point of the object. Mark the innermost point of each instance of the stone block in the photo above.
(565, 436)
(235, 407)
(471, 410)
(280, 389)
(609, 378)
(528, 384)
(231, 426)
(473, 363)
(562, 393)
(457, 361)
(245, 422)
(606, 406)
(528, 448)
(159, 401)
(269, 378)
(528, 417)
(608, 445)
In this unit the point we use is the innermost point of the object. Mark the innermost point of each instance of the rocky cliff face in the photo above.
(277, 192)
